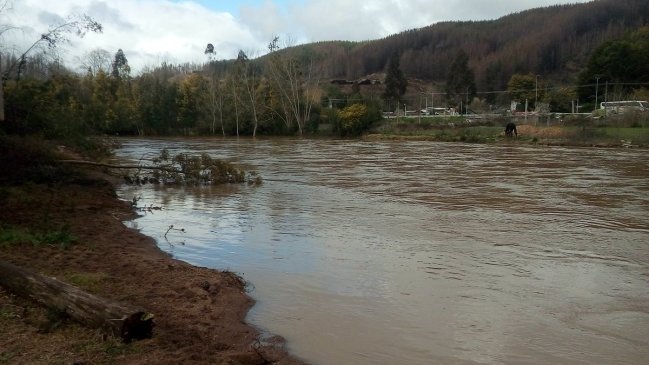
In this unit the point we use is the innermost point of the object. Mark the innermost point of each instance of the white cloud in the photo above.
(150, 31)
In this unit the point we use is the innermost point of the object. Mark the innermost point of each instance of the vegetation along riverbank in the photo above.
(66, 222)
(438, 83)
(628, 131)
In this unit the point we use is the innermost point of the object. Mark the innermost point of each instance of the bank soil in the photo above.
(199, 312)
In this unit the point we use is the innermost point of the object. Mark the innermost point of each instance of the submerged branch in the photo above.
(181, 169)
(113, 166)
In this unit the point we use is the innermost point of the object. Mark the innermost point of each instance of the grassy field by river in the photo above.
(616, 131)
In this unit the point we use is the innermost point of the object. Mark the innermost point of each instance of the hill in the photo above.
(554, 42)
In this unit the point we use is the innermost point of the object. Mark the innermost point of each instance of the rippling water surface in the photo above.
(424, 253)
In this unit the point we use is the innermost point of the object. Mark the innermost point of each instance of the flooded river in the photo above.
(424, 253)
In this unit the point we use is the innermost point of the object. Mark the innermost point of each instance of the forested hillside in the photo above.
(555, 42)
(558, 56)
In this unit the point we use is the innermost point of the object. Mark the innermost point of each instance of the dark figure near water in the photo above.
(510, 130)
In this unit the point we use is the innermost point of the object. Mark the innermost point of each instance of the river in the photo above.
(421, 252)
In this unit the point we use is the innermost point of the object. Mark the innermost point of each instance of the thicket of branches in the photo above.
(186, 169)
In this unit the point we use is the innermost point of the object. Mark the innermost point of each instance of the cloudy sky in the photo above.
(152, 31)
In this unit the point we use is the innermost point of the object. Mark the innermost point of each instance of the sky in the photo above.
(176, 31)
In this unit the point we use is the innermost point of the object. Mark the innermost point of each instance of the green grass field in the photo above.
(580, 133)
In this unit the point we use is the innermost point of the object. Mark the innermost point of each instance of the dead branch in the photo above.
(113, 166)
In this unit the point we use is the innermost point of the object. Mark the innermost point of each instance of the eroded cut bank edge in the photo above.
(200, 312)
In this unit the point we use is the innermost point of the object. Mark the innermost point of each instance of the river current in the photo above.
(420, 252)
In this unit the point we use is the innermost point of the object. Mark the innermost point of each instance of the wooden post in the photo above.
(115, 318)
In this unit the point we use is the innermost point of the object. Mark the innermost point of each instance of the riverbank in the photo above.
(622, 131)
(70, 227)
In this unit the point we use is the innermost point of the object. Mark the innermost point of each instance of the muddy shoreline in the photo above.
(199, 312)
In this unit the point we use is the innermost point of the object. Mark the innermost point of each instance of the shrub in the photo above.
(355, 119)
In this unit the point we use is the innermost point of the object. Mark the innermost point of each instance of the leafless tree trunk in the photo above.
(216, 103)
(235, 98)
(251, 84)
(294, 83)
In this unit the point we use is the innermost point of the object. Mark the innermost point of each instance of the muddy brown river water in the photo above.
(424, 253)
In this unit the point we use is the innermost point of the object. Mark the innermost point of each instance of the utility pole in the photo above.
(536, 92)
(397, 111)
(596, 90)
(605, 99)
(432, 102)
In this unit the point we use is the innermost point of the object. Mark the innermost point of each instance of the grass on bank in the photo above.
(54, 339)
(576, 131)
(86, 280)
(15, 236)
(28, 165)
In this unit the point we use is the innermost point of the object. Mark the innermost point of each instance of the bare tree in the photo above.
(249, 80)
(4, 6)
(215, 89)
(293, 79)
(234, 88)
(4, 27)
(96, 60)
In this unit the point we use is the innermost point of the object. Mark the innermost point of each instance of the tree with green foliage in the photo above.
(120, 68)
(355, 119)
(396, 83)
(100, 114)
(523, 88)
(155, 102)
(560, 99)
(125, 113)
(57, 34)
(460, 83)
(624, 62)
(191, 98)
(352, 120)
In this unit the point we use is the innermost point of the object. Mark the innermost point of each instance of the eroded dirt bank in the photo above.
(199, 312)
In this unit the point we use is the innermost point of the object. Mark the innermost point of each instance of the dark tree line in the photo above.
(287, 91)
(276, 95)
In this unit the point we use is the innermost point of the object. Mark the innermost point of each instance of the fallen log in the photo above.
(113, 166)
(118, 319)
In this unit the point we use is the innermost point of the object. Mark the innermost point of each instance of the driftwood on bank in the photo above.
(121, 320)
